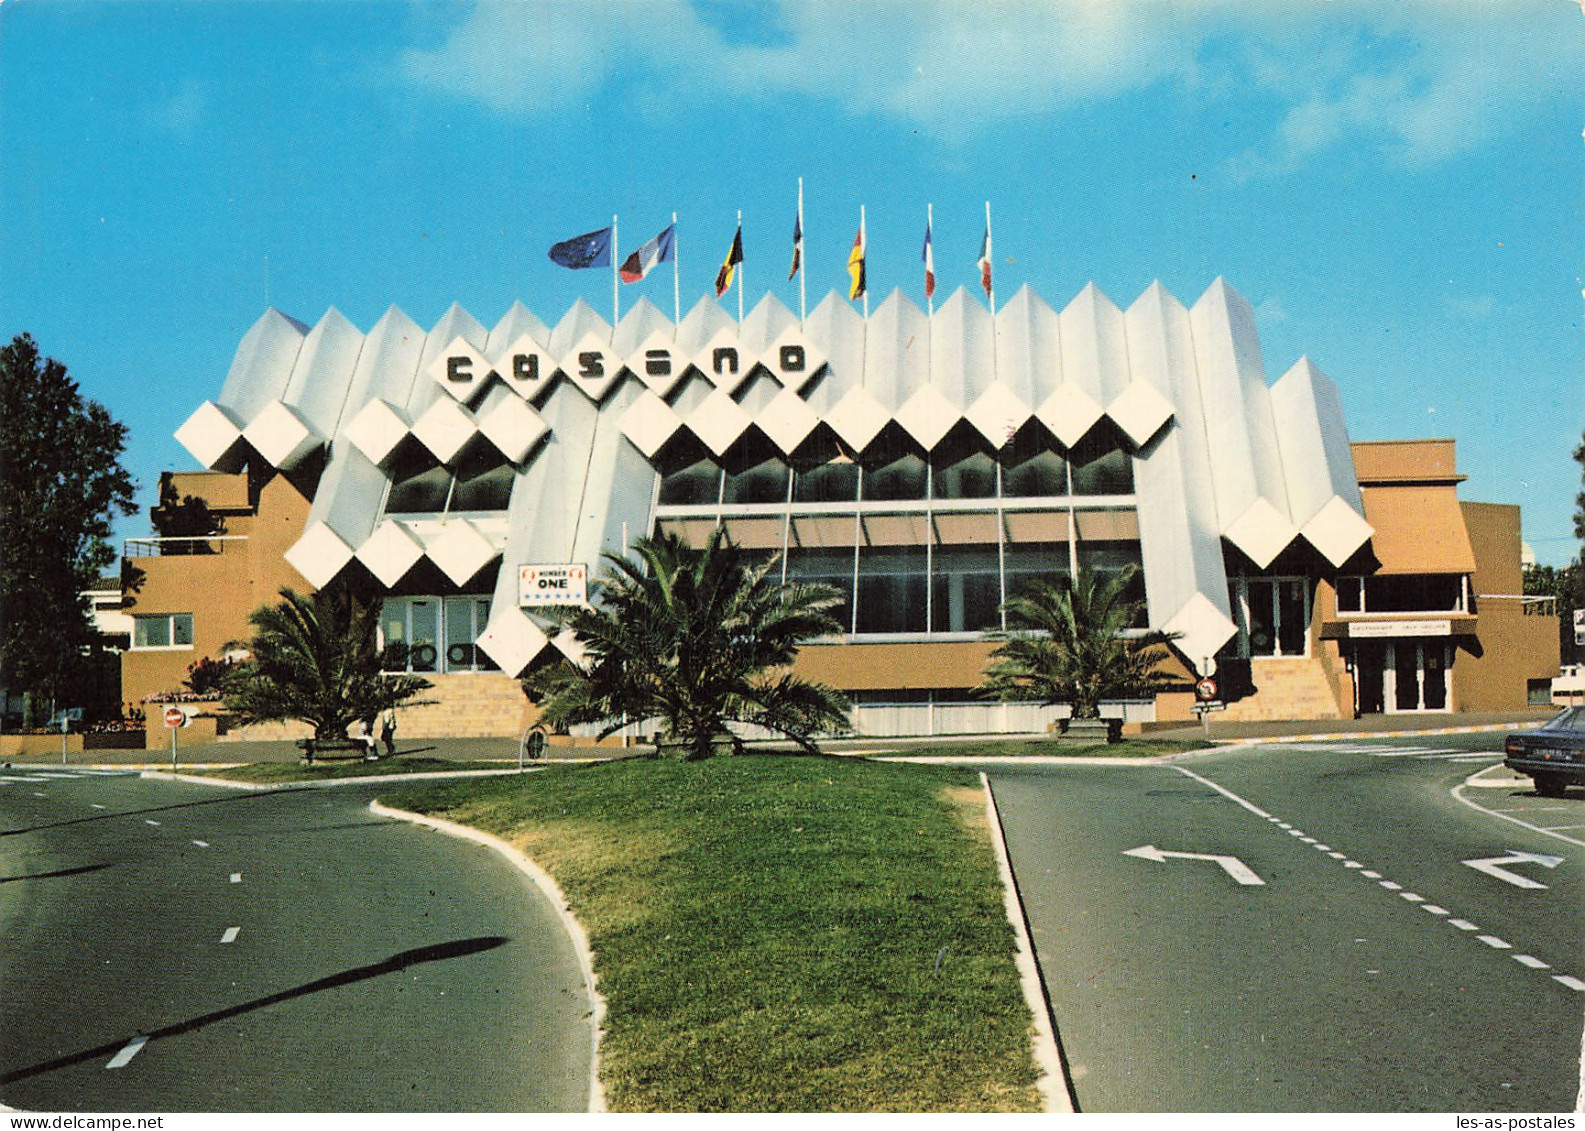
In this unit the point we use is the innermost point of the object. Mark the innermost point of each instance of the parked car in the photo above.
(1553, 754)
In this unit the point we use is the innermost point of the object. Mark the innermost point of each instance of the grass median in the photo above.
(779, 933)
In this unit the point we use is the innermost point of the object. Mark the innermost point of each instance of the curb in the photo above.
(1054, 1084)
(1373, 735)
(430, 775)
(552, 890)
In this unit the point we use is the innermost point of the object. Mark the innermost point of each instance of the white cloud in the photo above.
(1422, 78)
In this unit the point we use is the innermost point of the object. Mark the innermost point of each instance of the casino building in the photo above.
(927, 466)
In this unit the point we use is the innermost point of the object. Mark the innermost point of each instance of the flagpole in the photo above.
(864, 242)
(803, 268)
(616, 279)
(739, 269)
(930, 299)
(676, 277)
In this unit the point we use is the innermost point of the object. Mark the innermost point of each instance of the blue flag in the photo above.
(593, 249)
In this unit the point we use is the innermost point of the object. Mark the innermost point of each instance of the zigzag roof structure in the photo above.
(581, 409)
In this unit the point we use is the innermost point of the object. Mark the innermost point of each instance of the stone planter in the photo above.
(720, 746)
(1092, 730)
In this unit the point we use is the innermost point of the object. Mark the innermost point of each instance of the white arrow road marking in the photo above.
(1493, 866)
(1232, 865)
(130, 1050)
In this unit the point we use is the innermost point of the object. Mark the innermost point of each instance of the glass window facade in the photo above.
(1273, 615)
(162, 630)
(434, 634)
(481, 481)
(1402, 593)
(915, 545)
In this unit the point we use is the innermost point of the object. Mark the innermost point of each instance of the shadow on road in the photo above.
(398, 962)
(55, 875)
(229, 799)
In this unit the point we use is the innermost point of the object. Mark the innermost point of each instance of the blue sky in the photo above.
(1396, 187)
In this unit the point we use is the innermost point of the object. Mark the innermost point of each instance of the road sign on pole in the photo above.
(176, 717)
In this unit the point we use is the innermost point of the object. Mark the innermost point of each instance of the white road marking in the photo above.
(1232, 865)
(1478, 782)
(1491, 941)
(147, 821)
(93, 806)
(1493, 866)
(36, 793)
(236, 877)
(128, 1051)
(1323, 848)
(231, 934)
(201, 843)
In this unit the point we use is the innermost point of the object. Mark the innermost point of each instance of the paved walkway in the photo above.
(1317, 729)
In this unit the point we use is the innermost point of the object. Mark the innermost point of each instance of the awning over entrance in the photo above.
(1418, 530)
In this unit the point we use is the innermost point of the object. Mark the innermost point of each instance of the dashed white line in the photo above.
(201, 843)
(91, 805)
(1389, 885)
(231, 934)
(1369, 875)
(236, 877)
(1494, 942)
(1434, 909)
(1462, 924)
(146, 821)
(1531, 961)
(1569, 980)
(1411, 897)
(128, 1051)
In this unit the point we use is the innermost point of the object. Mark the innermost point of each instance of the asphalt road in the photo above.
(1325, 947)
(172, 947)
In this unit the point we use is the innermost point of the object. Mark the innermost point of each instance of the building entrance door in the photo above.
(1368, 678)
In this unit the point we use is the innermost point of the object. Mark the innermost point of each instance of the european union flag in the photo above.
(593, 249)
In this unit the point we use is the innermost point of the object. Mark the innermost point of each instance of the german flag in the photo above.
(723, 277)
(856, 265)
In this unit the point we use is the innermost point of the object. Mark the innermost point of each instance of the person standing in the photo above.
(388, 730)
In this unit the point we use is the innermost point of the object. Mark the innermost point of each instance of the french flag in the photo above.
(644, 260)
(930, 265)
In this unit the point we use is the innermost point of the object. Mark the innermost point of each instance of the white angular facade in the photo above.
(452, 457)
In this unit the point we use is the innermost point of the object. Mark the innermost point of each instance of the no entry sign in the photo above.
(176, 717)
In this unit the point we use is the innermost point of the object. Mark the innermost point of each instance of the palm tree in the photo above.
(315, 659)
(1067, 643)
(695, 638)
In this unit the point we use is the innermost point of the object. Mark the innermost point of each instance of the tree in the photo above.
(61, 480)
(315, 660)
(1067, 642)
(695, 638)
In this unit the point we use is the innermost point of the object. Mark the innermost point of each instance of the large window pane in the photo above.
(1293, 621)
(834, 482)
(972, 477)
(1108, 474)
(1035, 475)
(393, 631)
(459, 634)
(965, 589)
(765, 482)
(151, 632)
(1262, 618)
(902, 478)
(182, 628)
(696, 485)
(833, 567)
(484, 483)
(891, 591)
(1414, 593)
(1035, 561)
(421, 491)
(424, 655)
